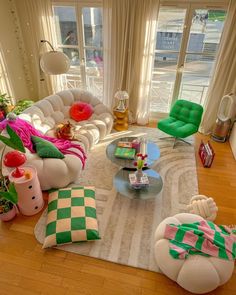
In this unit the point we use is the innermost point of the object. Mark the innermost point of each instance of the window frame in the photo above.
(81, 46)
(190, 7)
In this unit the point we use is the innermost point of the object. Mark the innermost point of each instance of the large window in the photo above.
(79, 36)
(187, 41)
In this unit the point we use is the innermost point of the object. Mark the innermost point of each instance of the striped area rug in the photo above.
(127, 226)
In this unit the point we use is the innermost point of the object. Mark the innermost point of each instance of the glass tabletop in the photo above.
(153, 153)
(122, 185)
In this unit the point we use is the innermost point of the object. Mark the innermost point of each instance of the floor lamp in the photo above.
(54, 62)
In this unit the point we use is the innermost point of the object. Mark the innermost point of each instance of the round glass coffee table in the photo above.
(121, 179)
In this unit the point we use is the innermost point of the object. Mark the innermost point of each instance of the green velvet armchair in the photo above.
(184, 120)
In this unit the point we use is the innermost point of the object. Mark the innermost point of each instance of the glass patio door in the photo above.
(167, 54)
(79, 36)
(187, 41)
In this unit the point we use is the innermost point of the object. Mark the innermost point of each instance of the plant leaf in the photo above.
(7, 141)
(11, 195)
(15, 139)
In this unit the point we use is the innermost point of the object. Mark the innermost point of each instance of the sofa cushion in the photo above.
(71, 216)
(81, 111)
(46, 149)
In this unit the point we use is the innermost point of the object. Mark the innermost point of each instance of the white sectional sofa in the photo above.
(45, 114)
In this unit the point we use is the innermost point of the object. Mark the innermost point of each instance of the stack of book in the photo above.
(125, 153)
(206, 154)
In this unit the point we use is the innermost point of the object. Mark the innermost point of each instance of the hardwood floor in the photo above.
(27, 269)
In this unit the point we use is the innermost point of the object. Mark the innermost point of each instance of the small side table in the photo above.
(121, 120)
(30, 198)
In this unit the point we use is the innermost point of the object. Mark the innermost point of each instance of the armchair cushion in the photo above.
(184, 119)
(177, 128)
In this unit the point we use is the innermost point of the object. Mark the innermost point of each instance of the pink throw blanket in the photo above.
(24, 130)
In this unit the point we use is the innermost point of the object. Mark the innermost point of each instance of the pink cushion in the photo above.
(80, 111)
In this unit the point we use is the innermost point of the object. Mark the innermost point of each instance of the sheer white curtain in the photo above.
(129, 34)
(5, 83)
(224, 79)
(36, 20)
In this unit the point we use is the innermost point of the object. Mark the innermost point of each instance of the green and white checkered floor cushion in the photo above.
(71, 216)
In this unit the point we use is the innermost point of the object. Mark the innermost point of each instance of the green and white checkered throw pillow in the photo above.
(71, 216)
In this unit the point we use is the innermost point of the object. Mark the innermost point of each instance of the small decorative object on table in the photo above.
(136, 145)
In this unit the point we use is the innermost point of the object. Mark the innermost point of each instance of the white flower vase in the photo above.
(139, 174)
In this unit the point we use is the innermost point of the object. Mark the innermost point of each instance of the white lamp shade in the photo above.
(54, 63)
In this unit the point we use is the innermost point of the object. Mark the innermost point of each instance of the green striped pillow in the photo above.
(71, 216)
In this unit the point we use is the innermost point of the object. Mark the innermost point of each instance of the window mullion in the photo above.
(182, 54)
(81, 44)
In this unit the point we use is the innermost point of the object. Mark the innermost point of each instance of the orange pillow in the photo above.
(80, 111)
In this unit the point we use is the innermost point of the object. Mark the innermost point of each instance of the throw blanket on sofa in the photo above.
(24, 130)
(204, 238)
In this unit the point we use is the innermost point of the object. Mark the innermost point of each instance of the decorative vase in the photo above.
(139, 174)
(8, 215)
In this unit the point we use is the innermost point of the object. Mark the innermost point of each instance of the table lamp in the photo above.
(122, 97)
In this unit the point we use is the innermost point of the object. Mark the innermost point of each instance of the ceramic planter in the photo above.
(8, 215)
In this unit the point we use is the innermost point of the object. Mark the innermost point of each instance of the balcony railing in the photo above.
(161, 91)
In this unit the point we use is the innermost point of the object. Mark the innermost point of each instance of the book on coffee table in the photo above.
(125, 153)
(124, 144)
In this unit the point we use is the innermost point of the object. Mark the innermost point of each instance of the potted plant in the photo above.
(8, 194)
(5, 103)
(21, 105)
(7, 208)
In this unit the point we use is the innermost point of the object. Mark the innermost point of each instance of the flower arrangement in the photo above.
(141, 161)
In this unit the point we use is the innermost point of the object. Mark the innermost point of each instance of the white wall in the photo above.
(12, 56)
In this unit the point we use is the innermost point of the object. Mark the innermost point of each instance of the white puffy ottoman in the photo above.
(197, 274)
